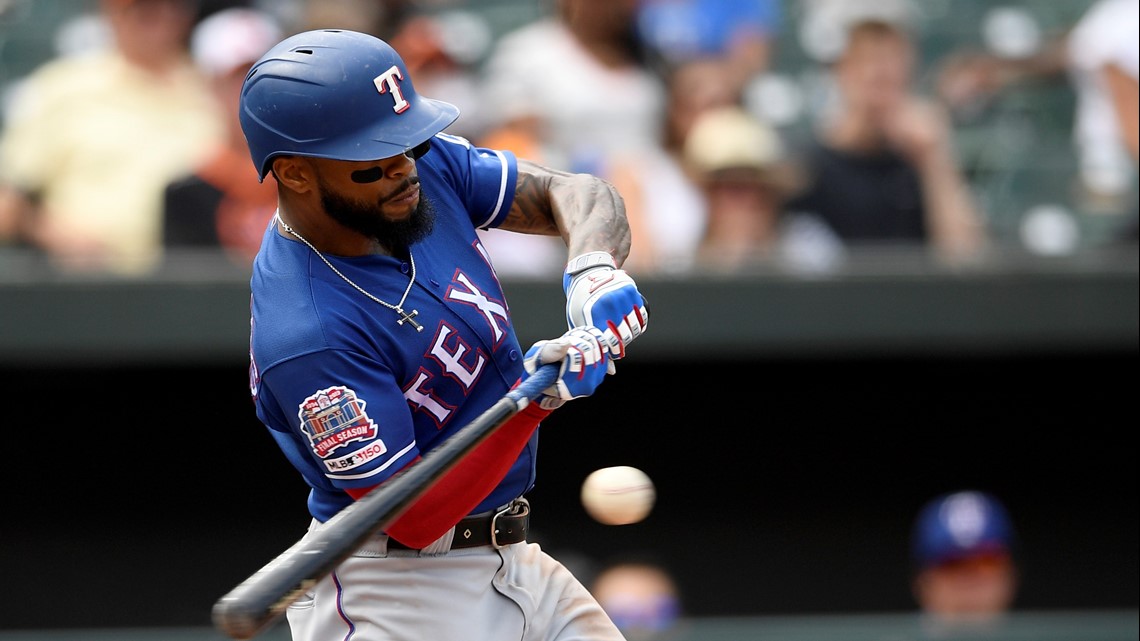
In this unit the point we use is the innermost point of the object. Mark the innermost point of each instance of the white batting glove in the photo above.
(585, 361)
(600, 295)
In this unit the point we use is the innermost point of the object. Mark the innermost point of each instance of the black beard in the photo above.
(364, 218)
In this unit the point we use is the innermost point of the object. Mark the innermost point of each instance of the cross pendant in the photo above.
(406, 316)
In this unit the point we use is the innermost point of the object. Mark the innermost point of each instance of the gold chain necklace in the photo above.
(398, 307)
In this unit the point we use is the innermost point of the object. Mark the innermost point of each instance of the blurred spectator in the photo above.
(91, 139)
(1098, 56)
(570, 90)
(664, 203)
(965, 573)
(824, 26)
(883, 170)
(740, 32)
(968, 79)
(740, 165)
(640, 597)
(1104, 60)
(223, 204)
(574, 86)
(366, 16)
(441, 50)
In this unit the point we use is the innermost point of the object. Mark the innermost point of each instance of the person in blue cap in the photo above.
(963, 550)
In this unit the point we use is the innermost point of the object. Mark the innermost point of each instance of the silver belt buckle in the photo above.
(516, 506)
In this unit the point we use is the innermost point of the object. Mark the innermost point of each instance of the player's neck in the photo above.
(330, 238)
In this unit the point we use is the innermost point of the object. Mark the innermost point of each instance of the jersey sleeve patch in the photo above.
(335, 417)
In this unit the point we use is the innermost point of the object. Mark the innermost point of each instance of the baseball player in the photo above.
(965, 569)
(379, 328)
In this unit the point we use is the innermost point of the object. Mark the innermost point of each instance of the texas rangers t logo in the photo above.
(388, 82)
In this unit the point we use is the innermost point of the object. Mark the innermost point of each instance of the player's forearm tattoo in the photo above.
(587, 211)
(532, 211)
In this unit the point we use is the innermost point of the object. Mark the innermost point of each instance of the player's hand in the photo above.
(585, 361)
(600, 295)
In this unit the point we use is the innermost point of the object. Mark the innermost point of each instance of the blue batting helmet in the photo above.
(335, 94)
(960, 525)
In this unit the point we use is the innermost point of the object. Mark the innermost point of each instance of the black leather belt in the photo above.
(506, 526)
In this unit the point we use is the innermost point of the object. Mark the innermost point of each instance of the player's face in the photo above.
(970, 589)
(390, 184)
(379, 199)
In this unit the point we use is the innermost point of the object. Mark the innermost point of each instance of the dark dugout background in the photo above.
(137, 495)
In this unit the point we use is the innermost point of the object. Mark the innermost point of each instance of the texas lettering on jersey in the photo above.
(451, 360)
(335, 417)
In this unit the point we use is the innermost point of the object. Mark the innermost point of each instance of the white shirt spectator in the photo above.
(1107, 34)
(588, 110)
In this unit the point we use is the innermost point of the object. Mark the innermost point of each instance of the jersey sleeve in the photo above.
(484, 179)
(340, 417)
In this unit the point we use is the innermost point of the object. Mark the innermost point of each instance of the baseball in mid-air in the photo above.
(618, 495)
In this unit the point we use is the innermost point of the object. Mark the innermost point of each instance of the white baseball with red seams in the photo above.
(618, 495)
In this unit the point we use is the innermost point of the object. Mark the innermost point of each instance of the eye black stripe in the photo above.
(369, 175)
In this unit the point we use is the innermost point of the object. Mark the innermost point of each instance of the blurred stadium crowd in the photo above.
(742, 133)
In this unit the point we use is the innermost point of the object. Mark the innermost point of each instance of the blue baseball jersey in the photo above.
(350, 395)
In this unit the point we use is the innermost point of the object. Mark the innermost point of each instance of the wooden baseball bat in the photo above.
(261, 599)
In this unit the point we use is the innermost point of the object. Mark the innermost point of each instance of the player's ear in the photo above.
(294, 173)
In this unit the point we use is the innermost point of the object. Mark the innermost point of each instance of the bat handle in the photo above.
(533, 386)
